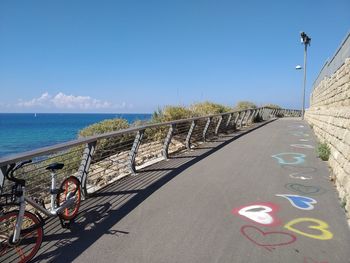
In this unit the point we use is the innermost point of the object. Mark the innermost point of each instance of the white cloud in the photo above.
(41, 101)
(62, 101)
(70, 102)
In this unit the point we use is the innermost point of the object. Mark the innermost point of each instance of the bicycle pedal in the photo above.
(40, 201)
(64, 224)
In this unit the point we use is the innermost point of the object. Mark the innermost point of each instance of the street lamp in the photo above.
(305, 39)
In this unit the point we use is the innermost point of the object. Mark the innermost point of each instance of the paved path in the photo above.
(262, 197)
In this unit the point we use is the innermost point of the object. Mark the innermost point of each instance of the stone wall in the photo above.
(329, 115)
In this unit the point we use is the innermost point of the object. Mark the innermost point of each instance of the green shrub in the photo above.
(208, 108)
(243, 105)
(274, 106)
(343, 204)
(107, 147)
(323, 151)
(138, 123)
(103, 127)
(168, 113)
(171, 113)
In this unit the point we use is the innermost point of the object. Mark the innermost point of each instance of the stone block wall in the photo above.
(329, 115)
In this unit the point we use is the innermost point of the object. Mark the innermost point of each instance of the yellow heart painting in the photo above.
(320, 225)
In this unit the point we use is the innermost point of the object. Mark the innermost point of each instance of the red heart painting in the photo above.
(267, 239)
(310, 260)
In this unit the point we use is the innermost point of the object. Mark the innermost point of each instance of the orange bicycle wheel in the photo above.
(29, 241)
(70, 188)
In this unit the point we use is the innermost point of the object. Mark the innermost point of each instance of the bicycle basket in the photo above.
(8, 199)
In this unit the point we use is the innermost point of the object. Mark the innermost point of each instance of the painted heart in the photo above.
(296, 126)
(318, 225)
(300, 202)
(299, 172)
(305, 189)
(284, 158)
(311, 260)
(261, 213)
(303, 146)
(299, 134)
(301, 177)
(268, 240)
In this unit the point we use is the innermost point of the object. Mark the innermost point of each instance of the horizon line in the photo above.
(75, 113)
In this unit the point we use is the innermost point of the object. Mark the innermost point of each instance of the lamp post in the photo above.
(305, 39)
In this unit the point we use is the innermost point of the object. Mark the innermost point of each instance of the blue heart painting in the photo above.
(297, 158)
(300, 202)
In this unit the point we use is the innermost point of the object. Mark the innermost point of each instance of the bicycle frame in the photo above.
(54, 211)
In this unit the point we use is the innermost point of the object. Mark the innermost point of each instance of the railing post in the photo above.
(273, 113)
(2, 176)
(205, 130)
(263, 114)
(252, 116)
(236, 120)
(257, 113)
(241, 121)
(247, 117)
(134, 149)
(165, 150)
(228, 120)
(85, 165)
(218, 126)
(269, 113)
(189, 135)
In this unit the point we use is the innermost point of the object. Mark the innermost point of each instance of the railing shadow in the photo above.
(100, 213)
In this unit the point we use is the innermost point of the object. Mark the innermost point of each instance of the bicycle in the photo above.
(21, 231)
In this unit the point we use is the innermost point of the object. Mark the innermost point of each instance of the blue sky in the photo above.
(135, 56)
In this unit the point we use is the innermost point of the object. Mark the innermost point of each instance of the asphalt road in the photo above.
(262, 197)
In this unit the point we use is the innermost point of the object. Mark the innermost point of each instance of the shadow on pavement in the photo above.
(105, 208)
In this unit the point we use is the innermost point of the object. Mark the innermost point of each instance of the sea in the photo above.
(20, 132)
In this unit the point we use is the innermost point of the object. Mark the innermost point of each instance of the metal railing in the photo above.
(333, 64)
(101, 159)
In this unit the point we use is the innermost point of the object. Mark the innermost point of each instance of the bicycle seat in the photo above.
(55, 166)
